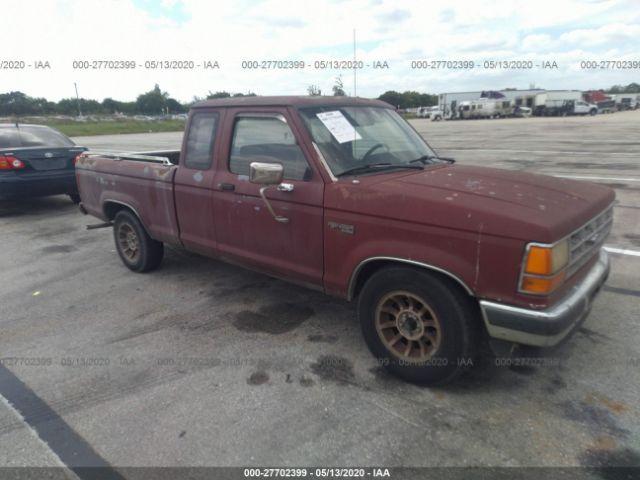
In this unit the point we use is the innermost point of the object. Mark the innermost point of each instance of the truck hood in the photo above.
(501, 202)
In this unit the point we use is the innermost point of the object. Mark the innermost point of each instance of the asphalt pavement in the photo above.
(202, 363)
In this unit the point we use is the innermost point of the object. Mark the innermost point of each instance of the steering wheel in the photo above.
(373, 149)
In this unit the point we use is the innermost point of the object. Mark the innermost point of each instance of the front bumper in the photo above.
(545, 328)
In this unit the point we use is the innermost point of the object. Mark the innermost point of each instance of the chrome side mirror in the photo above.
(267, 174)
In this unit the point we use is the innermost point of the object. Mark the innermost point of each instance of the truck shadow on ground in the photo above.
(271, 306)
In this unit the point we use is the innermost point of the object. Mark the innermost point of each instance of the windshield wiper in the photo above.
(372, 167)
(425, 158)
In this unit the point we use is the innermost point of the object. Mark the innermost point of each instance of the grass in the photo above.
(78, 129)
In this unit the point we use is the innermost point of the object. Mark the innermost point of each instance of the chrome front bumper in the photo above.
(545, 328)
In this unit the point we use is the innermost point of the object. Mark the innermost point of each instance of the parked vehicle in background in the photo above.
(626, 101)
(434, 113)
(602, 101)
(584, 108)
(554, 108)
(463, 110)
(521, 112)
(35, 161)
(341, 195)
(480, 108)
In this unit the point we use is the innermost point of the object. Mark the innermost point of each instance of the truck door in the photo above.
(194, 182)
(581, 107)
(246, 230)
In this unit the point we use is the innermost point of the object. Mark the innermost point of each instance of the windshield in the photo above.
(350, 137)
(32, 136)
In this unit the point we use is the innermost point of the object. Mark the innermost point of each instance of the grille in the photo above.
(587, 240)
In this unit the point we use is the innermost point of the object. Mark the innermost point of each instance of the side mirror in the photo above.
(266, 173)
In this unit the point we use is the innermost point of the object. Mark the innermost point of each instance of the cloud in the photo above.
(287, 22)
(397, 31)
(616, 33)
(540, 42)
(394, 16)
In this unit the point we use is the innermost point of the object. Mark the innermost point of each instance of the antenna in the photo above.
(355, 93)
(77, 99)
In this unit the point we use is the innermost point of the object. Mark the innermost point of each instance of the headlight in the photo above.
(543, 267)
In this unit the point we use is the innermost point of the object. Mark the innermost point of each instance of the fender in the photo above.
(356, 272)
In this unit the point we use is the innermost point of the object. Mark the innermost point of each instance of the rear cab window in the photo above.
(201, 137)
(268, 139)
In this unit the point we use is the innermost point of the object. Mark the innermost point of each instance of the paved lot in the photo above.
(202, 363)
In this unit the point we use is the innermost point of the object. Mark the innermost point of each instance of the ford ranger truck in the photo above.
(343, 196)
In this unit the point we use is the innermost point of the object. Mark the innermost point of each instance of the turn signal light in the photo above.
(7, 162)
(541, 285)
(543, 267)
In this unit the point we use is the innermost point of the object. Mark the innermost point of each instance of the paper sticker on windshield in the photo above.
(339, 126)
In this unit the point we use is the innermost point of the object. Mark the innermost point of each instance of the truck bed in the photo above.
(142, 181)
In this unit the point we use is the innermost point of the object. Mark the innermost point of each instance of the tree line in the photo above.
(153, 102)
(157, 102)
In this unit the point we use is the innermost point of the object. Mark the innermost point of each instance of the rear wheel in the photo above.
(138, 251)
(419, 326)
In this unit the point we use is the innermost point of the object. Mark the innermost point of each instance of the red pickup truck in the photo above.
(342, 195)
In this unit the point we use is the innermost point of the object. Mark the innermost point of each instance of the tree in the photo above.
(409, 99)
(314, 91)
(110, 105)
(338, 87)
(16, 103)
(153, 102)
(218, 95)
(392, 98)
(175, 106)
(69, 106)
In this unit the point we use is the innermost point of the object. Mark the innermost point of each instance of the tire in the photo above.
(593, 112)
(450, 321)
(137, 250)
(75, 198)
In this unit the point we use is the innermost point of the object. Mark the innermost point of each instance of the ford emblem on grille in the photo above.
(48, 155)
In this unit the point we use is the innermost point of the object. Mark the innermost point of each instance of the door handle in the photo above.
(228, 187)
(285, 187)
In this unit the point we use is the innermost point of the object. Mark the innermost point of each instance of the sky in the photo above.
(398, 32)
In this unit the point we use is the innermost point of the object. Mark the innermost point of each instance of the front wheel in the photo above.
(419, 326)
(137, 250)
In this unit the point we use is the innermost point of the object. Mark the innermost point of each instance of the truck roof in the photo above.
(289, 101)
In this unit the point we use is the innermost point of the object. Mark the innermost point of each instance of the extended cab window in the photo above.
(269, 140)
(200, 140)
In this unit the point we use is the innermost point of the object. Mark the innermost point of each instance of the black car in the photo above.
(35, 161)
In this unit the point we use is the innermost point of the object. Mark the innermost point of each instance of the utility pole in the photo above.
(77, 99)
(355, 93)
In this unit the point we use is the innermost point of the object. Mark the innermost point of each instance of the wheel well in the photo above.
(373, 266)
(111, 209)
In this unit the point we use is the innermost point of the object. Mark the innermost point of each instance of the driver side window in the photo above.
(268, 140)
